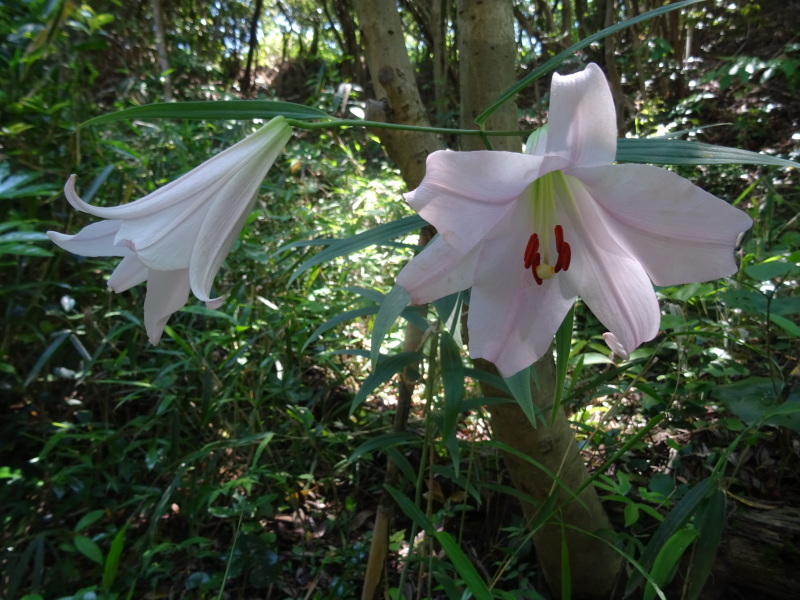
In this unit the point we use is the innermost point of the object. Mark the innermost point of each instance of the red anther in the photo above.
(566, 252)
(531, 250)
(559, 231)
(560, 261)
(536, 262)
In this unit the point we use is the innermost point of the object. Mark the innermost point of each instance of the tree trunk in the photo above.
(487, 61)
(760, 551)
(247, 80)
(351, 68)
(487, 58)
(593, 564)
(487, 51)
(614, 80)
(161, 48)
(393, 79)
(438, 16)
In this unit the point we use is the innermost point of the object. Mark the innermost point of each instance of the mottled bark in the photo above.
(487, 51)
(393, 81)
(593, 564)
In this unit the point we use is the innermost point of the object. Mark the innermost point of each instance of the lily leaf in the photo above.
(664, 151)
(340, 247)
(236, 110)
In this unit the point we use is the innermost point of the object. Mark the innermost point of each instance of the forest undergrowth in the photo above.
(236, 459)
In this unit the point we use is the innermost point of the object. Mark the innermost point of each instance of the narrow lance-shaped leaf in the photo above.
(710, 521)
(674, 521)
(683, 152)
(229, 110)
(453, 384)
(392, 305)
(341, 247)
(519, 385)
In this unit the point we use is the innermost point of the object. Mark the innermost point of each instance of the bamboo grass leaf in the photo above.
(241, 110)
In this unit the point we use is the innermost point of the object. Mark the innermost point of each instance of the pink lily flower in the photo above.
(529, 233)
(177, 237)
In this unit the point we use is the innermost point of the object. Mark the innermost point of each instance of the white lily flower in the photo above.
(177, 237)
(531, 232)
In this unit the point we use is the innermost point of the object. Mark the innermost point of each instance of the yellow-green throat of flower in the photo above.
(541, 248)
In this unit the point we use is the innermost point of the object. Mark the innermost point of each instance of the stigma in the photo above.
(540, 266)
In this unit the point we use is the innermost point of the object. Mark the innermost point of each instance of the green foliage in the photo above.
(247, 452)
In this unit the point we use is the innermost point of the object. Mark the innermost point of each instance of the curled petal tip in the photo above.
(616, 347)
(215, 303)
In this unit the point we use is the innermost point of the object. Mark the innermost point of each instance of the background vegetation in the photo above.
(226, 462)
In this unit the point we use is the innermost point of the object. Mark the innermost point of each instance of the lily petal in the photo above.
(167, 292)
(621, 296)
(223, 222)
(165, 240)
(536, 145)
(613, 343)
(677, 231)
(611, 282)
(130, 272)
(465, 194)
(438, 271)
(531, 239)
(582, 122)
(177, 237)
(512, 320)
(96, 239)
(194, 183)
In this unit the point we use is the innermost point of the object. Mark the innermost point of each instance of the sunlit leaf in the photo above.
(391, 306)
(772, 269)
